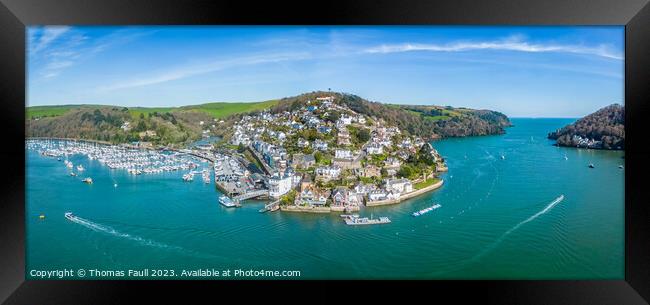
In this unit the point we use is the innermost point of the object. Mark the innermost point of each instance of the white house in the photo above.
(280, 185)
(374, 149)
(126, 126)
(344, 120)
(328, 172)
(319, 145)
(343, 154)
(376, 195)
(303, 143)
(402, 185)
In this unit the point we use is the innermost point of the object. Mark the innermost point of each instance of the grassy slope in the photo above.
(41, 111)
(221, 110)
(216, 110)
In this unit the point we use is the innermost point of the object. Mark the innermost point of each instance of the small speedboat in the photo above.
(188, 177)
(88, 180)
(620, 166)
(80, 168)
(70, 216)
(591, 165)
(425, 210)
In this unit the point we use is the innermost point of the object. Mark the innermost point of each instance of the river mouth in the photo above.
(483, 198)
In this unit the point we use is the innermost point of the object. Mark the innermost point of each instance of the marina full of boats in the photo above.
(134, 161)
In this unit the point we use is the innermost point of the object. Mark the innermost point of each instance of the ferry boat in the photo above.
(426, 210)
(70, 216)
(355, 220)
(227, 202)
(88, 180)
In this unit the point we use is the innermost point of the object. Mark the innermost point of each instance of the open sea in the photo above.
(501, 218)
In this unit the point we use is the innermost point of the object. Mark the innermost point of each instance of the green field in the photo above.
(221, 110)
(426, 183)
(216, 110)
(43, 111)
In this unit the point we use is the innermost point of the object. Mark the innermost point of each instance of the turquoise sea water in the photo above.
(499, 220)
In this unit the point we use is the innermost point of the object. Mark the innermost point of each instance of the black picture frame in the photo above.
(16, 14)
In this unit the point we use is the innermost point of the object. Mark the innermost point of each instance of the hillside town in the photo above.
(315, 156)
(323, 157)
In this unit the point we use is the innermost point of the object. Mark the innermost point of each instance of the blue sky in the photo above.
(520, 71)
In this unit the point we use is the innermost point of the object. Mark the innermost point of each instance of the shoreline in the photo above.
(300, 209)
(289, 208)
(407, 195)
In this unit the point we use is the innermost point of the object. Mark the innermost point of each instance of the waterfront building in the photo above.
(401, 185)
(377, 195)
(311, 195)
(340, 197)
(280, 184)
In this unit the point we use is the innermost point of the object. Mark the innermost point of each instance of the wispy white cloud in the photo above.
(40, 39)
(54, 49)
(186, 71)
(510, 44)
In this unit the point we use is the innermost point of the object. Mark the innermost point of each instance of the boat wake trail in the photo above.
(143, 241)
(108, 230)
(492, 246)
(517, 226)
